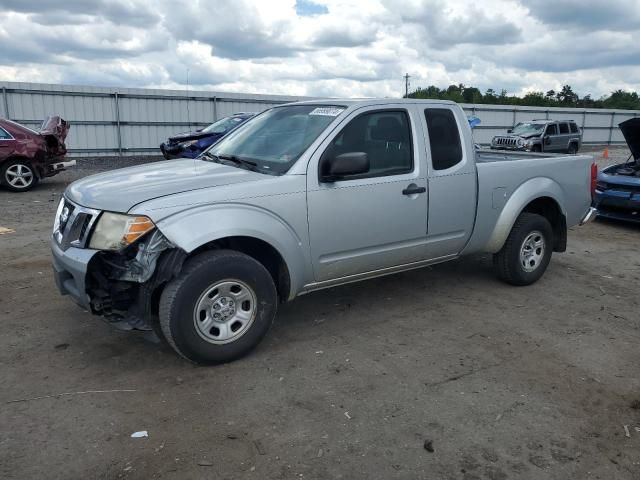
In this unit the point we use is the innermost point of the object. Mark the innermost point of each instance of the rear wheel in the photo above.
(219, 307)
(573, 148)
(18, 175)
(526, 254)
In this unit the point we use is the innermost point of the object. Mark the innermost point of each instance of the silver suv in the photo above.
(541, 136)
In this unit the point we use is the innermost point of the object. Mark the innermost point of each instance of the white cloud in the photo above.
(342, 48)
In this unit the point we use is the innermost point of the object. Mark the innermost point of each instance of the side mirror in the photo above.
(510, 130)
(335, 168)
(547, 139)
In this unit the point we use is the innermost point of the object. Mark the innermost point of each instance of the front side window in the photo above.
(4, 135)
(275, 139)
(385, 136)
(564, 128)
(552, 129)
(444, 138)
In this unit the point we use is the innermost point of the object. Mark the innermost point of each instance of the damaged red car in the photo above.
(27, 156)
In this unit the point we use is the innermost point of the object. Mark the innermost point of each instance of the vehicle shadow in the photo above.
(628, 226)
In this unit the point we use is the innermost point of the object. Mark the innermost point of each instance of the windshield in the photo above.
(528, 129)
(275, 139)
(223, 125)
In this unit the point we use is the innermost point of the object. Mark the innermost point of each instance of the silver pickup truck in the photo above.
(302, 197)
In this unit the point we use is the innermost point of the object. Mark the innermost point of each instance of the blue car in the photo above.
(618, 186)
(192, 144)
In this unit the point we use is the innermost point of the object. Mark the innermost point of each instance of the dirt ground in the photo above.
(440, 373)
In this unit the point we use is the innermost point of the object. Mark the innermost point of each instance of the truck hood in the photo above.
(120, 190)
(183, 137)
(631, 131)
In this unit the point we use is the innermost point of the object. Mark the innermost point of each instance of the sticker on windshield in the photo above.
(327, 111)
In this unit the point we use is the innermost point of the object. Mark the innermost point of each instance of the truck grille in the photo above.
(73, 224)
(506, 142)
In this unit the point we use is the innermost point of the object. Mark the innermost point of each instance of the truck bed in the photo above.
(484, 156)
(507, 181)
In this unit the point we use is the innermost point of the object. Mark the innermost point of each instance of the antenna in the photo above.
(188, 113)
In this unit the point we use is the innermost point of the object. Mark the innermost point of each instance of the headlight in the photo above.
(521, 142)
(115, 231)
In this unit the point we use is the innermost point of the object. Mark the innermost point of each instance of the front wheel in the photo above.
(219, 307)
(18, 176)
(526, 254)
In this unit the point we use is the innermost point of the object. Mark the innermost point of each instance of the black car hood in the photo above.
(631, 131)
(183, 137)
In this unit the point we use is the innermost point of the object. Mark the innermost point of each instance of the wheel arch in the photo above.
(540, 195)
(252, 230)
(259, 250)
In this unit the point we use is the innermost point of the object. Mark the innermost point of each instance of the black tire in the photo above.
(572, 149)
(181, 296)
(27, 182)
(508, 264)
(536, 148)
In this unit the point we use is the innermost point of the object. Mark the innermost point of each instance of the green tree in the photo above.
(565, 97)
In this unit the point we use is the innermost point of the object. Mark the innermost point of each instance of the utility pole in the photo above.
(406, 85)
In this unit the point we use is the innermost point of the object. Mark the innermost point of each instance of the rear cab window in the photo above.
(444, 138)
(573, 127)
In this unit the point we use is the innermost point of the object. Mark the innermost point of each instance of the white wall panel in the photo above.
(148, 116)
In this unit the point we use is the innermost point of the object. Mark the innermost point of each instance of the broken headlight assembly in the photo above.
(115, 231)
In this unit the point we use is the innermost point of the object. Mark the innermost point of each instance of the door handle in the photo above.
(413, 189)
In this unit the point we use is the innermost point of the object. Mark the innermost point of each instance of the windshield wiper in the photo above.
(243, 162)
(237, 160)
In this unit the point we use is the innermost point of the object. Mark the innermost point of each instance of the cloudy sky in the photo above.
(324, 47)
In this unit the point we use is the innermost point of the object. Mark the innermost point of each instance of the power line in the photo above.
(406, 85)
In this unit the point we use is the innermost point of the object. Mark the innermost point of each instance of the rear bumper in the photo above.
(63, 165)
(57, 167)
(70, 271)
(589, 216)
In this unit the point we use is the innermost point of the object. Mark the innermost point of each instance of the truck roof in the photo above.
(548, 120)
(348, 102)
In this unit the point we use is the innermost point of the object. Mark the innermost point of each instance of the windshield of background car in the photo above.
(528, 129)
(275, 139)
(224, 125)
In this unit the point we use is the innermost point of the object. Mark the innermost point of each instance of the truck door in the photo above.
(563, 137)
(377, 219)
(452, 181)
(550, 139)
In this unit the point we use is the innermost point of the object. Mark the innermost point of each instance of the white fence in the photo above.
(599, 126)
(134, 121)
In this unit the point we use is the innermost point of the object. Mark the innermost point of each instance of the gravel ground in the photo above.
(439, 373)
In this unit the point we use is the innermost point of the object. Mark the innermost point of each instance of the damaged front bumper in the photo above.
(70, 271)
(119, 286)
